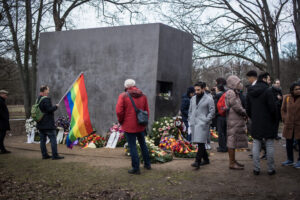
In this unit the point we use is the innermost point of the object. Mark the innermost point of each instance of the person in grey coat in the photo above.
(201, 112)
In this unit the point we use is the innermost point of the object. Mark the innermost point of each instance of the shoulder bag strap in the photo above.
(135, 108)
(38, 101)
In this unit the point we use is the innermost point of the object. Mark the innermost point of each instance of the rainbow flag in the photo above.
(76, 101)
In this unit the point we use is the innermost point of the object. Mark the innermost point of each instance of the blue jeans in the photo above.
(52, 136)
(131, 139)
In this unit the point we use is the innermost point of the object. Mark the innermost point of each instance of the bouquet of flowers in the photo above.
(64, 122)
(30, 127)
(214, 135)
(156, 154)
(180, 148)
(117, 128)
(99, 141)
(165, 126)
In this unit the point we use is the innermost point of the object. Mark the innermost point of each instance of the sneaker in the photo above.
(297, 165)
(134, 171)
(287, 163)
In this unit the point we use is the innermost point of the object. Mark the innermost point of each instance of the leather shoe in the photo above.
(221, 150)
(272, 172)
(46, 157)
(196, 165)
(58, 157)
(256, 173)
(205, 162)
(5, 152)
(148, 167)
(134, 171)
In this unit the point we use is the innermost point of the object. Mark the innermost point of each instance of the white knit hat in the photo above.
(3, 92)
(129, 83)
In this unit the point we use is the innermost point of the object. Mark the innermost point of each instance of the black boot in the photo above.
(196, 165)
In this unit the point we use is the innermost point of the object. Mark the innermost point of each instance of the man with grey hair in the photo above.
(128, 119)
(4, 120)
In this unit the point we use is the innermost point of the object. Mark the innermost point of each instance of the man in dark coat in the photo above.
(4, 120)
(221, 121)
(185, 105)
(261, 108)
(46, 125)
(278, 100)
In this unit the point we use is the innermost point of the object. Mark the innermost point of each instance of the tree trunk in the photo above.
(271, 28)
(296, 23)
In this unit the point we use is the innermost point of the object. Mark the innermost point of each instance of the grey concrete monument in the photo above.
(157, 56)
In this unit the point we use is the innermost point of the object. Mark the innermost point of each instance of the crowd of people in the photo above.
(258, 111)
(235, 113)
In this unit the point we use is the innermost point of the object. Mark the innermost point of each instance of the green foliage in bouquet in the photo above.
(214, 135)
(156, 154)
(164, 126)
(93, 138)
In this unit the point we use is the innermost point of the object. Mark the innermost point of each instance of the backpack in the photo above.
(36, 112)
(221, 105)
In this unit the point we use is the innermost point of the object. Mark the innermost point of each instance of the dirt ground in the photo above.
(102, 174)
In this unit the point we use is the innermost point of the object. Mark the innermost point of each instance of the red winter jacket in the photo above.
(125, 110)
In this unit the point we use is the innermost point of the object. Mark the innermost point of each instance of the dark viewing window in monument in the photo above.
(164, 90)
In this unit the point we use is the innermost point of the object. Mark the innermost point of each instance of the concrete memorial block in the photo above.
(157, 56)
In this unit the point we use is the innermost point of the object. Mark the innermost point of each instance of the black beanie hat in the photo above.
(190, 90)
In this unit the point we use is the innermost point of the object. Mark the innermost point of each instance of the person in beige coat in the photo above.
(236, 121)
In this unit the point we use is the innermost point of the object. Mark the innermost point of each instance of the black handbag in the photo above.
(141, 115)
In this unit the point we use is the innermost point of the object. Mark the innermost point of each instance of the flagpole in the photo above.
(70, 87)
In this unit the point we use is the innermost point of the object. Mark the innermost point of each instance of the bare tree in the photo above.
(61, 9)
(20, 18)
(296, 24)
(21, 23)
(241, 28)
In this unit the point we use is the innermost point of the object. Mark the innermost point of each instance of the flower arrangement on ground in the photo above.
(156, 154)
(116, 127)
(180, 148)
(98, 140)
(214, 135)
(64, 122)
(30, 127)
(166, 126)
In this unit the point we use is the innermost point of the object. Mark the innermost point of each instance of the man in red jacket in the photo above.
(127, 118)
